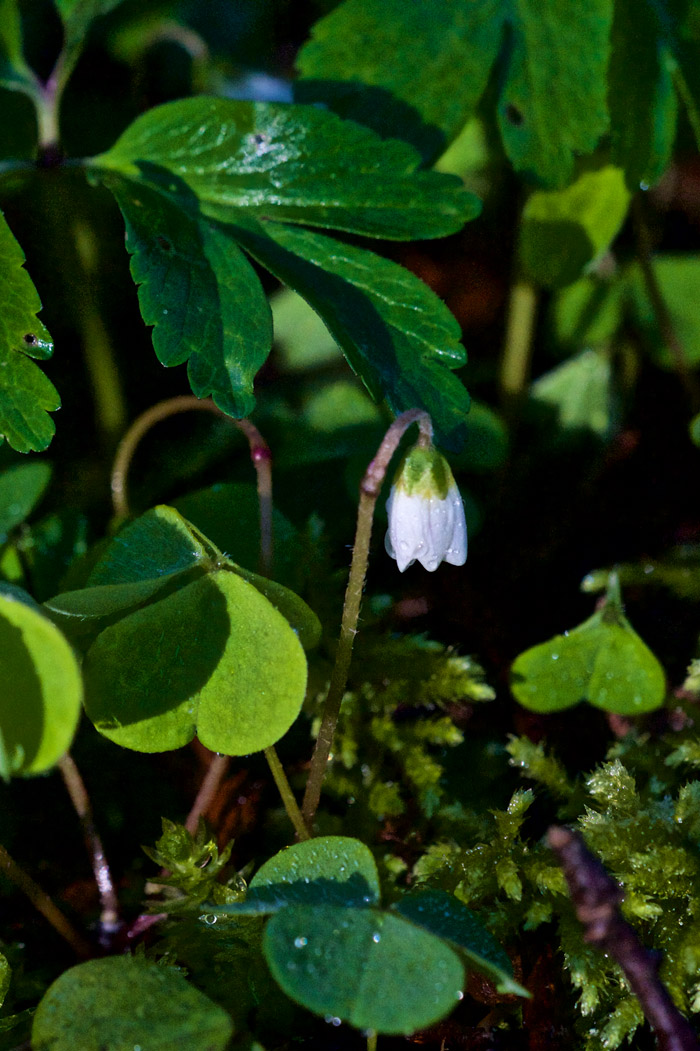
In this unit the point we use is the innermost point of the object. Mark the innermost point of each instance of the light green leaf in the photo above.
(5, 977)
(427, 66)
(602, 661)
(127, 1002)
(414, 69)
(640, 83)
(42, 691)
(444, 915)
(678, 277)
(396, 334)
(327, 870)
(301, 338)
(14, 71)
(21, 489)
(299, 164)
(553, 101)
(372, 969)
(565, 230)
(26, 396)
(214, 658)
(199, 292)
(580, 392)
(588, 313)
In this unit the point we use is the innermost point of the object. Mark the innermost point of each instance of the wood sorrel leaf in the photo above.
(26, 395)
(213, 658)
(444, 915)
(43, 692)
(21, 489)
(602, 661)
(327, 870)
(127, 1002)
(370, 968)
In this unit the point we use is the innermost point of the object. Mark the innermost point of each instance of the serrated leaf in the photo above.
(563, 231)
(214, 658)
(26, 396)
(372, 969)
(21, 489)
(294, 163)
(396, 334)
(602, 661)
(14, 71)
(417, 70)
(327, 870)
(552, 102)
(640, 82)
(199, 292)
(43, 691)
(444, 915)
(127, 1002)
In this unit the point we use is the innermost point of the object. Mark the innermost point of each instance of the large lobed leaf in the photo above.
(26, 395)
(435, 61)
(196, 178)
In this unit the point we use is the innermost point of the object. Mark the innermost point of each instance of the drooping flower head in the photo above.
(426, 514)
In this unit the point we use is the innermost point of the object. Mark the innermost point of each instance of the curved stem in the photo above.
(259, 453)
(43, 903)
(110, 921)
(369, 491)
(290, 804)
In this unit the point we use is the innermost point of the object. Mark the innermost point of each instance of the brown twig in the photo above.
(43, 903)
(596, 898)
(110, 921)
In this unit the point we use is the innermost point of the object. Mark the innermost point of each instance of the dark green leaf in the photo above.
(21, 489)
(160, 543)
(588, 312)
(602, 661)
(77, 17)
(214, 658)
(40, 712)
(565, 230)
(414, 69)
(26, 396)
(199, 292)
(294, 163)
(427, 65)
(374, 970)
(553, 101)
(640, 83)
(328, 870)
(444, 915)
(5, 976)
(695, 429)
(397, 335)
(126, 1002)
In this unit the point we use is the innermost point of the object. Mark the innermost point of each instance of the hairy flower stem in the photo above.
(43, 903)
(110, 921)
(369, 491)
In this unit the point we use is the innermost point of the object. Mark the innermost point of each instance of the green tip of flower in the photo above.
(424, 472)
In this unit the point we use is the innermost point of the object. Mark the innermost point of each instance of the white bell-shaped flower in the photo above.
(426, 514)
